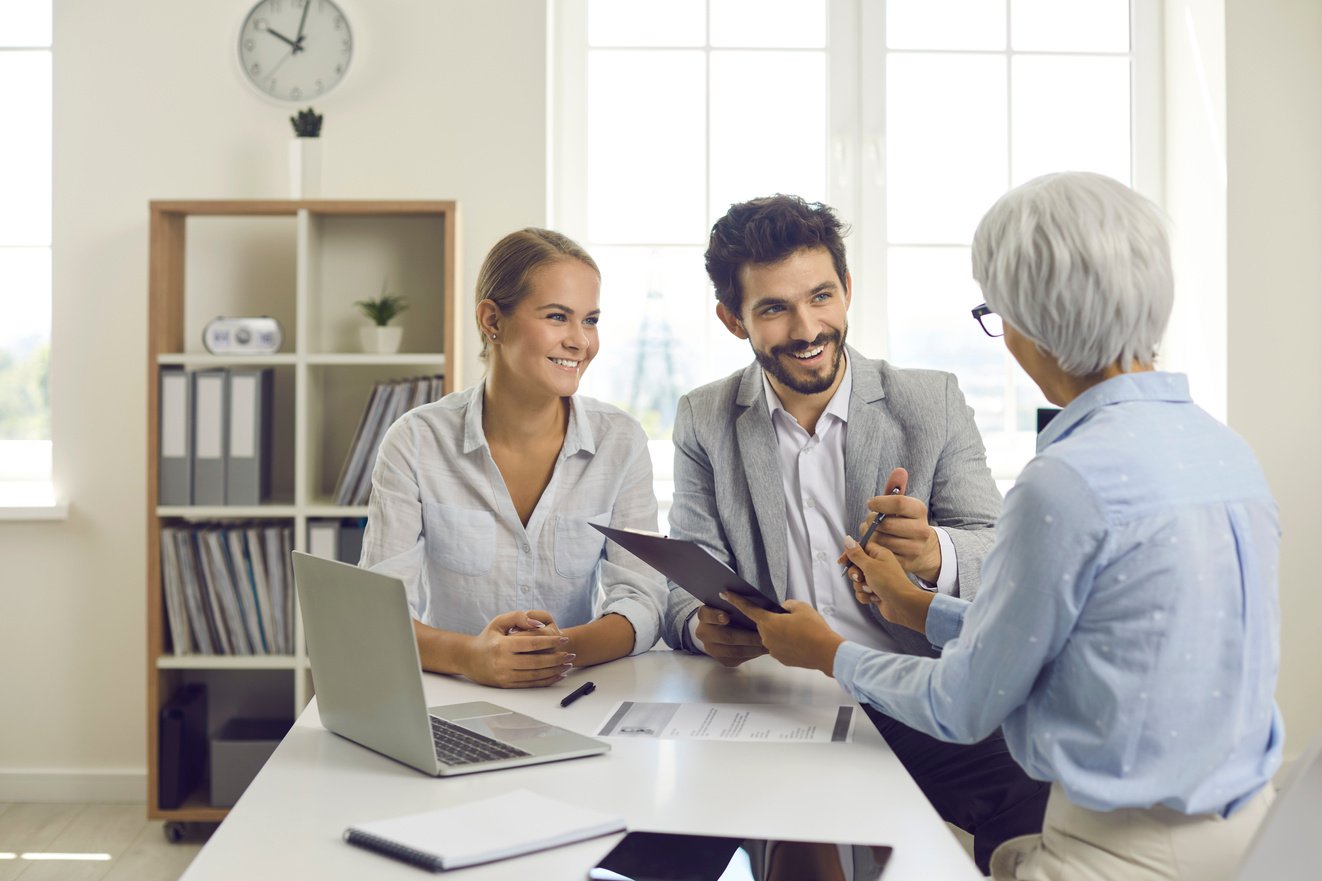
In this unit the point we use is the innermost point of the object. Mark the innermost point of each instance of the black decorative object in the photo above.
(307, 124)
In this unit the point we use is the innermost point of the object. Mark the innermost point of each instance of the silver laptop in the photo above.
(369, 683)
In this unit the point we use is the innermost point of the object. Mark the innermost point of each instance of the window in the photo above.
(25, 253)
(910, 117)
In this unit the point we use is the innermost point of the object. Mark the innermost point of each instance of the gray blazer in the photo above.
(730, 499)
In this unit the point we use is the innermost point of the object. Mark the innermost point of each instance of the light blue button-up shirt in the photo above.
(1127, 633)
(441, 519)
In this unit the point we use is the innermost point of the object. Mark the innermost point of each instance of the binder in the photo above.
(175, 438)
(272, 552)
(351, 541)
(262, 586)
(248, 453)
(245, 588)
(194, 600)
(324, 539)
(172, 584)
(183, 745)
(209, 437)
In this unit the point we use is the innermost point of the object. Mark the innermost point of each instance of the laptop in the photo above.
(690, 566)
(369, 683)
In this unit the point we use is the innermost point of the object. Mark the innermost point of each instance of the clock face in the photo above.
(295, 50)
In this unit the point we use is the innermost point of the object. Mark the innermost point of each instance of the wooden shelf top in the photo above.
(290, 207)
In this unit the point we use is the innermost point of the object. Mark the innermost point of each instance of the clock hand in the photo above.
(298, 38)
(279, 36)
(270, 74)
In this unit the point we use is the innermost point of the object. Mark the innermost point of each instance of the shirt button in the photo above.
(526, 548)
(819, 556)
(810, 503)
(828, 610)
(523, 587)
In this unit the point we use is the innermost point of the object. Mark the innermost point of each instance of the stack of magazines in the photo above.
(229, 590)
(390, 399)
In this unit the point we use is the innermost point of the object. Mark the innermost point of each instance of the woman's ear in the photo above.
(488, 319)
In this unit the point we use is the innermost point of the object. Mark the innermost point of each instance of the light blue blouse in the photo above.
(1127, 633)
(441, 519)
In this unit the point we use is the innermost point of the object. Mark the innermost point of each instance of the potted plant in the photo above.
(305, 155)
(380, 338)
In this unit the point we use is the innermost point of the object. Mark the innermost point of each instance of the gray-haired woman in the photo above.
(1126, 636)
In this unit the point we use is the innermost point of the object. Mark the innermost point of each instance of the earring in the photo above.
(493, 337)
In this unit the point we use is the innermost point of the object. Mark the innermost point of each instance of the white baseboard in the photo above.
(96, 787)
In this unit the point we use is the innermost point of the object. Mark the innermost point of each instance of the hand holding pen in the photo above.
(895, 484)
(905, 530)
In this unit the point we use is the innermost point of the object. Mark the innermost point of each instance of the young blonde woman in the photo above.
(482, 502)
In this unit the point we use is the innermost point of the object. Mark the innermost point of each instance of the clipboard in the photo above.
(688, 565)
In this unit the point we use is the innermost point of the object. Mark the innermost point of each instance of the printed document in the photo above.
(773, 723)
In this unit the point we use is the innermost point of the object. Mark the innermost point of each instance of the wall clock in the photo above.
(295, 50)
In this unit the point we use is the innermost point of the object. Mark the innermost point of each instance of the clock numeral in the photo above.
(339, 68)
(339, 22)
(348, 44)
(320, 86)
(296, 93)
(270, 86)
(275, 6)
(249, 45)
(260, 24)
(255, 69)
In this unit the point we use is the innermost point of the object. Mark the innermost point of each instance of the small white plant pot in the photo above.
(305, 168)
(381, 340)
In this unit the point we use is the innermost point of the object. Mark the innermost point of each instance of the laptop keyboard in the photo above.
(456, 745)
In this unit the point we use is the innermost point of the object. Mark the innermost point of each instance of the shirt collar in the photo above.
(578, 434)
(1152, 385)
(838, 406)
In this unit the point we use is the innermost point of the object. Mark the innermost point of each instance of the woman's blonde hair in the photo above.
(506, 274)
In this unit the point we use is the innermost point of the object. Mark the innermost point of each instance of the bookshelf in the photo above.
(303, 263)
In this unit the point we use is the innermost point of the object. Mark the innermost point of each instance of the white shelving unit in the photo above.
(304, 263)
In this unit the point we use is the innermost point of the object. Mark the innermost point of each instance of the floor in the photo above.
(89, 842)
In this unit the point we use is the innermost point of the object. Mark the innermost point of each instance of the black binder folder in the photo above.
(182, 753)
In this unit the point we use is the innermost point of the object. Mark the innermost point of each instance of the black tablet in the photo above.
(666, 856)
(692, 568)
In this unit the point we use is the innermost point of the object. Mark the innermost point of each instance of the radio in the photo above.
(242, 336)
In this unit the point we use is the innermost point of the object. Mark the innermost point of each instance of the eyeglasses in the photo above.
(989, 321)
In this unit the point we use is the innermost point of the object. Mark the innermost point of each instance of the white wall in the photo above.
(446, 99)
(1274, 319)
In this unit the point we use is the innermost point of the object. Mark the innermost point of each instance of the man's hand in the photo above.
(879, 579)
(728, 644)
(905, 531)
(798, 637)
(518, 650)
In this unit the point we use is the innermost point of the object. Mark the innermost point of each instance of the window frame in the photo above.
(856, 156)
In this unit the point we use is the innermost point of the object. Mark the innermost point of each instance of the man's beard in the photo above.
(771, 363)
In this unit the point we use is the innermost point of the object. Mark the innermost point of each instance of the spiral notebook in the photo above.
(508, 825)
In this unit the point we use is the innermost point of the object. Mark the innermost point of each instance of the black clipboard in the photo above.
(688, 565)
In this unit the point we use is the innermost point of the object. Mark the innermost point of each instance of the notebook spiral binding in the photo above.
(396, 851)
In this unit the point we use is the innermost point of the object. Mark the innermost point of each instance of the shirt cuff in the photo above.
(691, 625)
(646, 628)
(945, 619)
(848, 655)
(947, 580)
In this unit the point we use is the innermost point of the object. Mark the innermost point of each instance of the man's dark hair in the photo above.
(767, 230)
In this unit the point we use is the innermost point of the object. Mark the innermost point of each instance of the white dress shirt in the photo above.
(441, 519)
(812, 471)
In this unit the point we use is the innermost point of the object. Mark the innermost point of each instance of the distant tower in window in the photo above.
(657, 382)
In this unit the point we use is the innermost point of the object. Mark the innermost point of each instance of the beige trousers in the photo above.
(1131, 844)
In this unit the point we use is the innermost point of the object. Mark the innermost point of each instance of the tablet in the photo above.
(688, 565)
(666, 856)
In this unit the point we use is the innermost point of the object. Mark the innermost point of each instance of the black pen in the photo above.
(876, 521)
(585, 688)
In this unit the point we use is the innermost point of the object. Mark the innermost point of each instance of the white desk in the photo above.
(289, 822)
